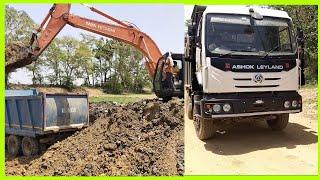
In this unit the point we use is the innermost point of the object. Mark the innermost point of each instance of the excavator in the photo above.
(59, 16)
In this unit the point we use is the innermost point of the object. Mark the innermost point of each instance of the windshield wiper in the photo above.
(232, 51)
(273, 49)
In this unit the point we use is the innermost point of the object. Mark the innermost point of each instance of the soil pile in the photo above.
(142, 138)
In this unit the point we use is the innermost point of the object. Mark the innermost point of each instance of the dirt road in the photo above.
(252, 148)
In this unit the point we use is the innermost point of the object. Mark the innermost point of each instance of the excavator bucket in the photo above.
(17, 55)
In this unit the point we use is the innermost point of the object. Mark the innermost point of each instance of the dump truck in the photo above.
(242, 62)
(34, 119)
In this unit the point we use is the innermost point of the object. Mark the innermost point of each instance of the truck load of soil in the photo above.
(17, 55)
(142, 138)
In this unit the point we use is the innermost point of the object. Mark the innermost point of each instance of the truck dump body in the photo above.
(29, 113)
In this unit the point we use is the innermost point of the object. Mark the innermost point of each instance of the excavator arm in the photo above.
(59, 16)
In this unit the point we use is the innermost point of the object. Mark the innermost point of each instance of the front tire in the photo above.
(279, 123)
(30, 146)
(205, 128)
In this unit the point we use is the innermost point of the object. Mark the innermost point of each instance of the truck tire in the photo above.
(30, 146)
(279, 123)
(13, 144)
(205, 128)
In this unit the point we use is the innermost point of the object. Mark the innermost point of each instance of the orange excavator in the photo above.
(59, 15)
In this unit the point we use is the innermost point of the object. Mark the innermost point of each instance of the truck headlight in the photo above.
(216, 108)
(226, 107)
(294, 103)
(286, 104)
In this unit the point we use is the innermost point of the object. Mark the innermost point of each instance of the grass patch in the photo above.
(309, 86)
(121, 99)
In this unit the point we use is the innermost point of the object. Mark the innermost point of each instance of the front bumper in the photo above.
(250, 104)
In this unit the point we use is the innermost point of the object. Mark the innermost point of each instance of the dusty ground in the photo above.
(252, 148)
(143, 138)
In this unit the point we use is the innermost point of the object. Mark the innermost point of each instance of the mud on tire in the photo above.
(13, 145)
(30, 146)
(279, 123)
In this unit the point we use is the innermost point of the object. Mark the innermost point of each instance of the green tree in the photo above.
(70, 62)
(37, 76)
(104, 52)
(51, 58)
(85, 57)
(306, 18)
(90, 65)
(19, 26)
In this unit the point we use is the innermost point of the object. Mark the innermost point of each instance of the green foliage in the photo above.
(19, 25)
(306, 17)
(121, 67)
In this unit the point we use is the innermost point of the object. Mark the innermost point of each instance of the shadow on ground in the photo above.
(248, 137)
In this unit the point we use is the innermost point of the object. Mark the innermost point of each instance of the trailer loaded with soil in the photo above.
(34, 120)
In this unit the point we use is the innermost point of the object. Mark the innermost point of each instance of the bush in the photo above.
(113, 86)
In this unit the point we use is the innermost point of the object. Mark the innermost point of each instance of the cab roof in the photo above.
(264, 11)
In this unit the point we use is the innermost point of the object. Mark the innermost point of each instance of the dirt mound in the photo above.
(143, 138)
(92, 92)
(17, 55)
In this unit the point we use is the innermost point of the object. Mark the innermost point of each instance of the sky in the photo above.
(163, 23)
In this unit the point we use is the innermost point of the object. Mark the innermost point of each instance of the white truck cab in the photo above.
(241, 61)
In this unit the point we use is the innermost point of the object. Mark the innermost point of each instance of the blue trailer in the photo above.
(34, 118)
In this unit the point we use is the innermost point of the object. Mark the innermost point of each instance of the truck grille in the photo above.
(262, 86)
(268, 85)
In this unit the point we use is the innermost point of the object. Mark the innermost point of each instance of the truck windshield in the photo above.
(227, 34)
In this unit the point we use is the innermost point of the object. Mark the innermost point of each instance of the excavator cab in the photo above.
(167, 86)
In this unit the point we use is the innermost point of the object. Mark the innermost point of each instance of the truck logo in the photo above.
(258, 78)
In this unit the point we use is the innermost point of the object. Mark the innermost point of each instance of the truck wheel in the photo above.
(279, 123)
(189, 111)
(30, 146)
(205, 128)
(13, 144)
